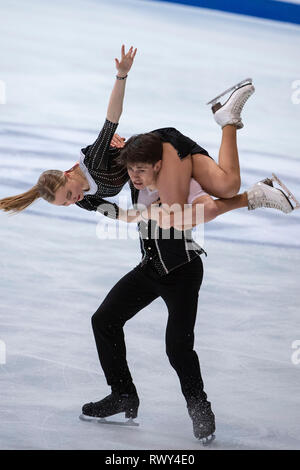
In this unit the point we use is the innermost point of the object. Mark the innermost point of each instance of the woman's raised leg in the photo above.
(220, 179)
(223, 179)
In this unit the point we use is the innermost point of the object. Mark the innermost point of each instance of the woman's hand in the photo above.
(117, 141)
(124, 65)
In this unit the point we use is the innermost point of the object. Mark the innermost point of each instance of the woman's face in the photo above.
(70, 193)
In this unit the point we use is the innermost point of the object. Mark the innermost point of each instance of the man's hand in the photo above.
(117, 141)
(124, 65)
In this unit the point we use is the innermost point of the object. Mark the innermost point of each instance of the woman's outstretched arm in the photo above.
(97, 154)
(123, 66)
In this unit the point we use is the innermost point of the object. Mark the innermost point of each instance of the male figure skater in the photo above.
(171, 268)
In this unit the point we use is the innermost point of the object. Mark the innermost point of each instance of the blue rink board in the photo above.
(270, 9)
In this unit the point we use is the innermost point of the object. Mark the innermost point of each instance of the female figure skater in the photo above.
(96, 175)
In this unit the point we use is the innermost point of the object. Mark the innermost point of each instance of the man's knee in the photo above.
(177, 348)
(100, 319)
(108, 317)
(174, 354)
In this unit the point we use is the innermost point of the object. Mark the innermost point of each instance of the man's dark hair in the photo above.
(141, 148)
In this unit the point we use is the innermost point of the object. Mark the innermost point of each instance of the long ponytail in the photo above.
(48, 183)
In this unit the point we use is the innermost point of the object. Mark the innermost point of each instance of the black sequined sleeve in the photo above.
(97, 154)
(107, 208)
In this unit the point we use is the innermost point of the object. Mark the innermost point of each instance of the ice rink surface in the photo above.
(57, 62)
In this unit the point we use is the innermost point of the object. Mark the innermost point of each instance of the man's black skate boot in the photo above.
(116, 402)
(203, 420)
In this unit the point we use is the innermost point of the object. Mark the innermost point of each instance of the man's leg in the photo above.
(180, 294)
(126, 298)
(181, 297)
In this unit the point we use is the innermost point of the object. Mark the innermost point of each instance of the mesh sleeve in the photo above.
(109, 209)
(97, 155)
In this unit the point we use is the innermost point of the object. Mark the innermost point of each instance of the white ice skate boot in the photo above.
(263, 194)
(230, 111)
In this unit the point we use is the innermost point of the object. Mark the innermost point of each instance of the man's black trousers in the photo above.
(137, 289)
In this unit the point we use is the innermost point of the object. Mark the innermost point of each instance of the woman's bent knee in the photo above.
(235, 186)
(211, 210)
(230, 188)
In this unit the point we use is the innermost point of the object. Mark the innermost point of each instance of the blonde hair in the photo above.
(48, 183)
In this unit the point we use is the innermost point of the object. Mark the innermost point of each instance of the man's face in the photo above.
(143, 175)
(69, 194)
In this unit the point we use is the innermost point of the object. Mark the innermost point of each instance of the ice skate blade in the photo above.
(288, 194)
(94, 419)
(206, 441)
(246, 81)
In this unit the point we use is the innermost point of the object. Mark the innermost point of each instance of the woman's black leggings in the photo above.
(137, 289)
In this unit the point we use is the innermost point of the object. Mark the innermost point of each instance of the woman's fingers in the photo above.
(117, 141)
(124, 64)
(133, 56)
(114, 141)
(131, 53)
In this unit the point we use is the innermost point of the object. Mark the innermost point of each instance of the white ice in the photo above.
(57, 61)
